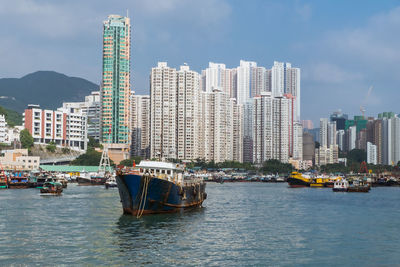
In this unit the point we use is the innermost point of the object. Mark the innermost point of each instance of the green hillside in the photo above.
(46, 88)
(12, 117)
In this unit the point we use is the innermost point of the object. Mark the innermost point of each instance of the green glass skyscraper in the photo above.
(116, 80)
(115, 89)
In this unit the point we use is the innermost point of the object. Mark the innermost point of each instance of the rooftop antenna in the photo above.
(127, 13)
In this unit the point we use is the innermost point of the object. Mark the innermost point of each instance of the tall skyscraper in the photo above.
(115, 87)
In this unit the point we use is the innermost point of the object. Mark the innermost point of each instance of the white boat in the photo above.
(341, 185)
(111, 182)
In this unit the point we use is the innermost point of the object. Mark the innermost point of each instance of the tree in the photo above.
(51, 147)
(336, 167)
(26, 139)
(129, 162)
(357, 155)
(93, 143)
(275, 166)
(90, 158)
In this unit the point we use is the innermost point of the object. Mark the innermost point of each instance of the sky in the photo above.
(342, 47)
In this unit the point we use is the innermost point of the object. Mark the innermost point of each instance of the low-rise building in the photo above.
(18, 159)
(3, 129)
(64, 127)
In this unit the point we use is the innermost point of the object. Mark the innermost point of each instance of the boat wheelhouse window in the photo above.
(168, 171)
(162, 171)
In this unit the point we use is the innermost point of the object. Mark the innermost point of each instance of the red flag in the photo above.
(134, 164)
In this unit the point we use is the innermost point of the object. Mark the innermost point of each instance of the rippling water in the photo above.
(241, 224)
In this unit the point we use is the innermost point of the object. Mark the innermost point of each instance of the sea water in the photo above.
(241, 224)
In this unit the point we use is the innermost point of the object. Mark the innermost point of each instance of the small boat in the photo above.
(341, 185)
(18, 180)
(3, 180)
(110, 183)
(296, 179)
(359, 187)
(51, 188)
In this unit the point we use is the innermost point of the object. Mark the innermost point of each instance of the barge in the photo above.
(158, 187)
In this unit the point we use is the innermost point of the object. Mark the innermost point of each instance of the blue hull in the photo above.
(145, 195)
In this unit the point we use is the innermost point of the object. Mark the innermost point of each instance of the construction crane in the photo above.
(362, 109)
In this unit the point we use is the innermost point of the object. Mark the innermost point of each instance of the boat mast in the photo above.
(104, 165)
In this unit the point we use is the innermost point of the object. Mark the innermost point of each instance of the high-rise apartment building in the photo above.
(281, 109)
(260, 81)
(221, 128)
(278, 79)
(115, 87)
(286, 80)
(263, 123)
(351, 137)
(371, 154)
(248, 130)
(140, 105)
(188, 113)
(91, 108)
(323, 131)
(340, 139)
(297, 141)
(163, 112)
(244, 76)
(175, 117)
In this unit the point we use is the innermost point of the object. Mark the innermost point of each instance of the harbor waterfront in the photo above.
(240, 224)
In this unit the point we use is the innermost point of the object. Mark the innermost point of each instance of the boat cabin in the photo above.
(341, 184)
(162, 170)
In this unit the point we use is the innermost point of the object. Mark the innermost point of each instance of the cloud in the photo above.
(329, 73)
(66, 36)
(343, 64)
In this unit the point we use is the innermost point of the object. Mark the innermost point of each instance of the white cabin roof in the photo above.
(158, 165)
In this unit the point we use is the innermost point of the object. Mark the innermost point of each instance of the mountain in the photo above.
(12, 117)
(49, 89)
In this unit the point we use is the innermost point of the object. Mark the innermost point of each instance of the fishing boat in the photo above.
(359, 187)
(3, 180)
(341, 185)
(158, 187)
(18, 180)
(51, 188)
